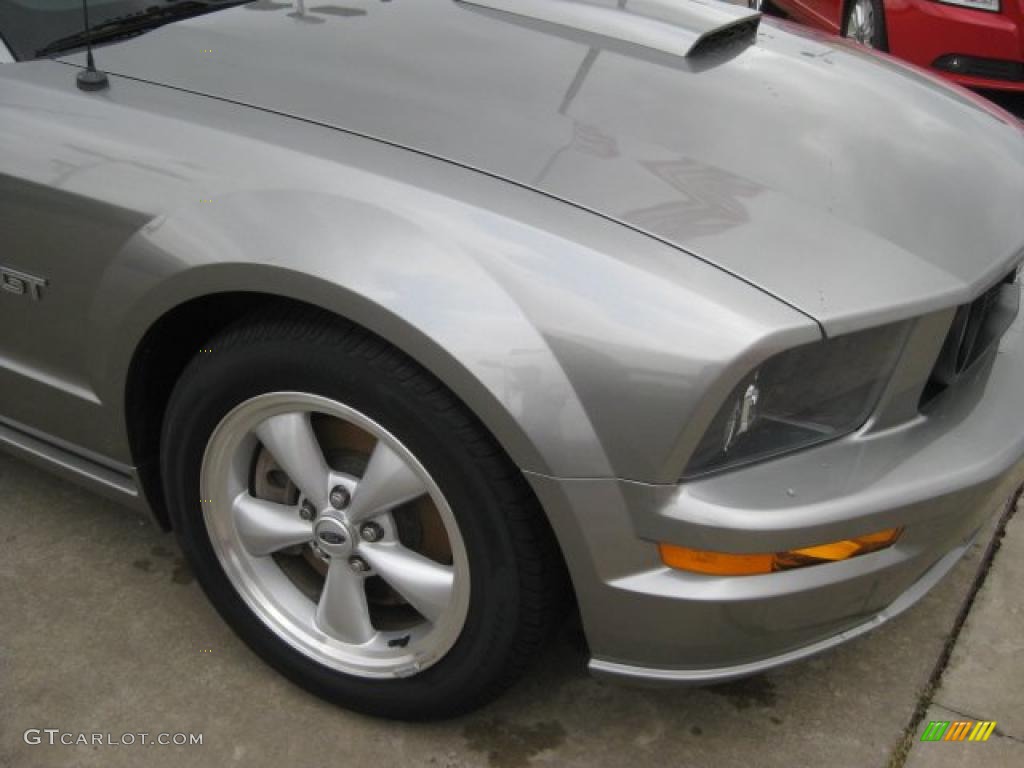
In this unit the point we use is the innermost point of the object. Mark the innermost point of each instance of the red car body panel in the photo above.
(923, 31)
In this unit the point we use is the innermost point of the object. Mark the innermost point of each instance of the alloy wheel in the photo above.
(862, 24)
(335, 535)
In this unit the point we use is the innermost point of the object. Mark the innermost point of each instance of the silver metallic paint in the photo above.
(569, 271)
(658, 676)
(940, 477)
(887, 170)
(391, 239)
(661, 25)
(110, 479)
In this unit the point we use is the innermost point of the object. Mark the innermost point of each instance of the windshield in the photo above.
(28, 26)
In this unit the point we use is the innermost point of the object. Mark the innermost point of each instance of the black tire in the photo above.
(517, 581)
(879, 40)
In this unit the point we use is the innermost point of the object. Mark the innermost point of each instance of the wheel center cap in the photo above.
(332, 537)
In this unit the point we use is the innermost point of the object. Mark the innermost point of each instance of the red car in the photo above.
(977, 43)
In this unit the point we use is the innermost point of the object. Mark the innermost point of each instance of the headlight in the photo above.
(800, 397)
(981, 5)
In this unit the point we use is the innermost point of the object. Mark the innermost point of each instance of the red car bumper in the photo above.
(979, 49)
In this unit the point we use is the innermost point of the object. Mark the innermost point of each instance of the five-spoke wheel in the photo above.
(352, 521)
(326, 563)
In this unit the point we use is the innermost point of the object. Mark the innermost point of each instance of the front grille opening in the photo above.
(976, 327)
(994, 69)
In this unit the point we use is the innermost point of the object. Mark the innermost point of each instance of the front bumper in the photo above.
(941, 477)
(975, 48)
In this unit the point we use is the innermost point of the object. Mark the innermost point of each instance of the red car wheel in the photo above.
(865, 23)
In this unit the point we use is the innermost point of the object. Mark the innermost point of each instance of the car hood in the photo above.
(850, 186)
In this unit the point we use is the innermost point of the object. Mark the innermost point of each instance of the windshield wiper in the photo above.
(137, 23)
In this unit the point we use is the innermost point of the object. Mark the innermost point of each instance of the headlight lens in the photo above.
(800, 397)
(983, 5)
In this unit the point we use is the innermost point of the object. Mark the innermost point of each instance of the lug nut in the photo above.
(371, 532)
(340, 497)
(358, 564)
(307, 511)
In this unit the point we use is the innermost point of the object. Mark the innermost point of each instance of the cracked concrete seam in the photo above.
(926, 699)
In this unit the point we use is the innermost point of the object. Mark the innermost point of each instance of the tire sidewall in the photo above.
(217, 382)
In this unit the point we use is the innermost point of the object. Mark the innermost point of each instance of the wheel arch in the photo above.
(177, 334)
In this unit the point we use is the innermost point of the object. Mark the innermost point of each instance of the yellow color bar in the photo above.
(982, 730)
(727, 564)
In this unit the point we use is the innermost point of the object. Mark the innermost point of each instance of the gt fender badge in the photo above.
(21, 283)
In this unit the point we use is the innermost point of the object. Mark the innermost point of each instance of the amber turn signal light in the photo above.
(727, 564)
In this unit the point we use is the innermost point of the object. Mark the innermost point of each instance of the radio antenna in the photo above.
(90, 79)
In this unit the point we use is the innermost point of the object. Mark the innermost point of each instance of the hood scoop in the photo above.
(686, 28)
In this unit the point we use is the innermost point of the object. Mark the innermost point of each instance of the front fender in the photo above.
(426, 293)
(588, 349)
(580, 363)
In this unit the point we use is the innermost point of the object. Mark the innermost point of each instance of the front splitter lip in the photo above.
(657, 677)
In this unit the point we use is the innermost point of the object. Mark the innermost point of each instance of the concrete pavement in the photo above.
(102, 629)
(984, 679)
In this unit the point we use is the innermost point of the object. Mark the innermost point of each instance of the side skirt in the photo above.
(117, 482)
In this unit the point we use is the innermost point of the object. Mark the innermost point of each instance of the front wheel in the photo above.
(353, 522)
(865, 23)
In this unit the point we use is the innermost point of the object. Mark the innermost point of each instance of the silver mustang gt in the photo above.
(417, 320)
